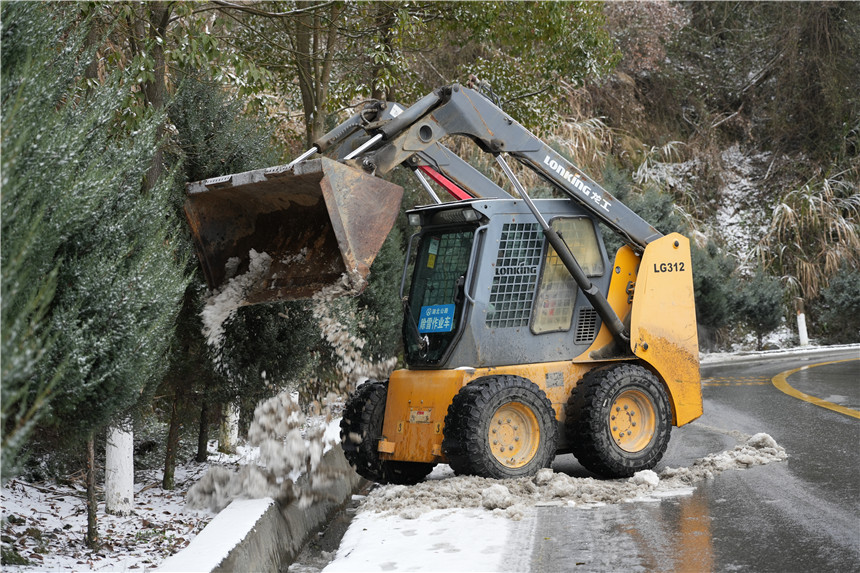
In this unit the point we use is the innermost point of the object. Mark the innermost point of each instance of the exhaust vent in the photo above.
(586, 325)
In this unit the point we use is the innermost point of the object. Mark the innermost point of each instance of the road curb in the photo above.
(260, 535)
(718, 359)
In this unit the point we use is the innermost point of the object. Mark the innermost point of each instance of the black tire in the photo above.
(619, 420)
(360, 431)
(497, 413)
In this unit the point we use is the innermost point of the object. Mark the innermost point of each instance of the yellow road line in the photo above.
(781, 382)
(736, 383)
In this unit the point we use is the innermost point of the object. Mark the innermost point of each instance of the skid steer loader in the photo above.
(523, 337)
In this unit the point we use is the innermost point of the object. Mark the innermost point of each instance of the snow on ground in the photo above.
(220, 537)
(466, 523)
(289, 446)
(742, 219)
(721, 357)
(438, 540)
(46, 522)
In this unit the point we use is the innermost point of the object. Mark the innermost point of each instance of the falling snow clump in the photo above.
(289, 450)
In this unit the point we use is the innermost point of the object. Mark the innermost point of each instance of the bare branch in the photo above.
(223, 4)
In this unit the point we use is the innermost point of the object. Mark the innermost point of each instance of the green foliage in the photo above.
(714, 283)
(655, 207)
(792, 71)
(760, 304)
(839, 307)
(11, 556)
(531, 53)
(76, 222)
(714, 272)
(264, 346)
(214, 136)
(379, 304)
(326, 57)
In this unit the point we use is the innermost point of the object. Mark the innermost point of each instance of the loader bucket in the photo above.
(318, 222)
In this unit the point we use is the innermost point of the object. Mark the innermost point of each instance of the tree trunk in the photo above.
(167, 481)
(92, 504)
(229, 434)
(156, 90)
(119, 470)
(385, 24)
(203, 433)
(314, 41)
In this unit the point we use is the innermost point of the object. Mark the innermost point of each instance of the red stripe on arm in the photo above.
(455, 191)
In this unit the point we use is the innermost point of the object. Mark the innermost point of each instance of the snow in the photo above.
(288, 448)
(512, 497)
(347, 348)
(465, 523)
(742, 219)
(214, 543)
(439, 540)
(47, 521)
(223, 303)
(48, 524)
(446, 523)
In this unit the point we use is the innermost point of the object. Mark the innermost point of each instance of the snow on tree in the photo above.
(77, 221)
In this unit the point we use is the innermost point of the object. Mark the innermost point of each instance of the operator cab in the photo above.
(487, 290)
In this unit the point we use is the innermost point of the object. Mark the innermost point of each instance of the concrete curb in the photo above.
(267, 537)
(717, 359)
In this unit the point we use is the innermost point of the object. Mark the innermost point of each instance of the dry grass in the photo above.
(813, 230)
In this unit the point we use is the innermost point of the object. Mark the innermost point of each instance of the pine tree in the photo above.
(380, 308)
(216, 137)
(759, 304)
(840, 307)
(77, 223)
(27, 256)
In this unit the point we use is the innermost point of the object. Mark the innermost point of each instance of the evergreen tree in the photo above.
(76, 223)
(839, 312)
(714, 272)
(27, 256)
(214, 136)
(380, 307)
(714, 283)
(759, 304)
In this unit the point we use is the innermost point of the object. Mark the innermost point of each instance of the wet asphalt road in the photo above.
(802, 515)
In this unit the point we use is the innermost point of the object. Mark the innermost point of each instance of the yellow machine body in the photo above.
(657, 301)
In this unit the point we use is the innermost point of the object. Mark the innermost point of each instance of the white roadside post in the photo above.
(801, 322)
(119, 470)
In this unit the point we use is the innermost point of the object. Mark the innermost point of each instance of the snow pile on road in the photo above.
(757, 450)
(288, 449)
(513, 497)
(222, 304)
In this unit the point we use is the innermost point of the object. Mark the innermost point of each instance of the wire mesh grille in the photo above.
(514, 283)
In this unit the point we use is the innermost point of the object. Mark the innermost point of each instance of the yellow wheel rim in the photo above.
(632, 420)
(514, 435)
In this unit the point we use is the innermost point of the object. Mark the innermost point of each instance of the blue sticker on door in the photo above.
(436, 318)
